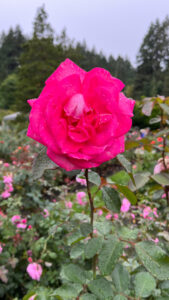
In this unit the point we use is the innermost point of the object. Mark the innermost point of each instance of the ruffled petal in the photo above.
(66, 69)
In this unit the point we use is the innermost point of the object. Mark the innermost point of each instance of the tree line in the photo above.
(25, 63)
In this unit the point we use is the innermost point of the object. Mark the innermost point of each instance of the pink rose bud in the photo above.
(82, 117)
(34, 270)
(30, 259)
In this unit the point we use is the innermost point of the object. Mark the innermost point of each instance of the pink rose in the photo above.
(16, 219)
(125, 205)
(68, 204)
(81, 117)
(79, 197)
(45, 213)
(7, 179)
(34, 270)
(108, 216)
(5, 195)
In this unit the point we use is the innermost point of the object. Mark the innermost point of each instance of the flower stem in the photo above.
(94, 262)
(90, 200)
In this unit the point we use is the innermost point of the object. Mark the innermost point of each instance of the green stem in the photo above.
(94, 262)
(90, 200)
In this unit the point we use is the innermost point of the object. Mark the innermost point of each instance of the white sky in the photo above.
(113, 26)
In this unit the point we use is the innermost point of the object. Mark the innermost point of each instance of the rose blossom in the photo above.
(160, 165)
(108, 216)
(5, 194)
(81, 181)
(68, 204)
(125, 205)
(16, 219)
(7, 179)
(79, 197)
(81, 117)
(45, 213)
(116, 216)
(35, 271)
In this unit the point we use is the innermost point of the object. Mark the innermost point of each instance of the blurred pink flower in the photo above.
(9, 187)
(29, 227)
(35, 271)
(99, 212)
(24, 221)
(79, 197)
(133, 216)
(147, 210)
(134, 167)
(15, 219)
(7, 179)
(30, 259)
(155, 211)
(21, 225)
(81, 180)
(1, 249)
(29, 252)
(68, 204)
(32, 297)
(108, 216)
(125, 205)
(5, 195)
(116, 216)
(6, 165)
(160, 165)
(156, 241)
(46, 213)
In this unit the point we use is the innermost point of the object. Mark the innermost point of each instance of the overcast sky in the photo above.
(113, 26)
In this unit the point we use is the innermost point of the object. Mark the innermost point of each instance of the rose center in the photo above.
(76, 106)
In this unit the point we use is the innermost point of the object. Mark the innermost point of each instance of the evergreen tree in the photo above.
(38, 60)
(10, 50)
(8, 91)
(151, 59)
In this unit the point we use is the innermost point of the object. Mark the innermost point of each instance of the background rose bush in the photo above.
(55, 210)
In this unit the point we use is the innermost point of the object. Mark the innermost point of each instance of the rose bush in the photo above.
(81, 117)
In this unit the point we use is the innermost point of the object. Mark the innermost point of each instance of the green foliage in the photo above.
(101, 288)
(111, 198)
(144, 284)
(155, 259)
(121, 278)
(110, 253)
